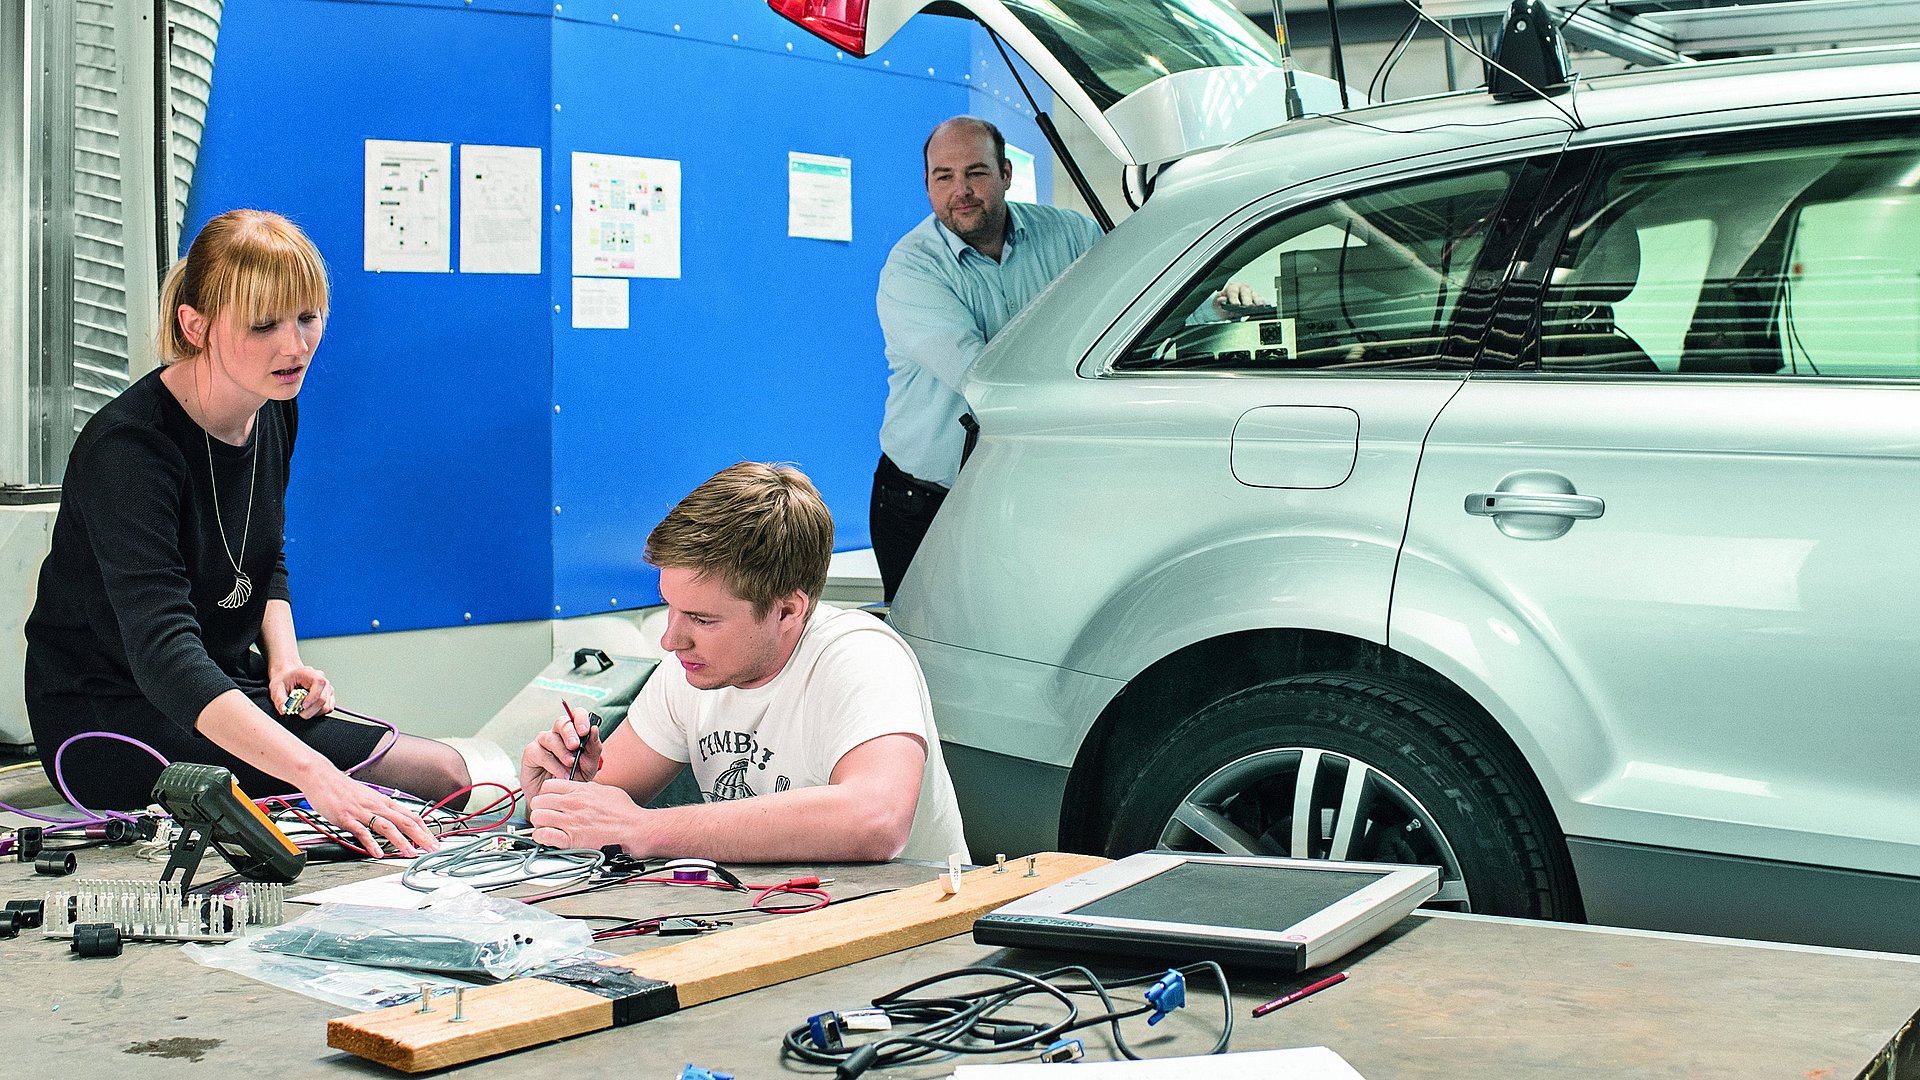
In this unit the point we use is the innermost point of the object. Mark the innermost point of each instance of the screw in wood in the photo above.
(459, 1015)
(426, 997)
(1033, 866)
(1000, 863)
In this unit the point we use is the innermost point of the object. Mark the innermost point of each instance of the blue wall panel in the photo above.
(435, 478)
(423, 466)
(767, 347)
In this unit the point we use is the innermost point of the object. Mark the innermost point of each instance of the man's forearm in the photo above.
(832, 823)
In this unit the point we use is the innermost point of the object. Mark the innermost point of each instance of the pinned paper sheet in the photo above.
(1300, 1063)
(626, 216)
(500, 209)
(819, 196)
(1025, 185)
(600, 304)
(409, 216)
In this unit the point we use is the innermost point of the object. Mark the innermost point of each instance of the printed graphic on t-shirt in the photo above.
(732, 782)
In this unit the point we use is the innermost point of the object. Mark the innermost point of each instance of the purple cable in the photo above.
(379, 751)
(60, 783)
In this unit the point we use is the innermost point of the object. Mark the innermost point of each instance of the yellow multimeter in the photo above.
(207, 804)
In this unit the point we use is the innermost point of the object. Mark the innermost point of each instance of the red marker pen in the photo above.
(1308, 990)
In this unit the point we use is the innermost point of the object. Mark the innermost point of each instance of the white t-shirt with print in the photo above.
(850, 679)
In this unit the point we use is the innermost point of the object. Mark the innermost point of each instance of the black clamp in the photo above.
(55, 863)
(96, 939)
(28, 842)
(581, 656)
(9, 925)
(27, 914)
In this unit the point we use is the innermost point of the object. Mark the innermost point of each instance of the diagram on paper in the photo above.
(408, 220)
(626, 216)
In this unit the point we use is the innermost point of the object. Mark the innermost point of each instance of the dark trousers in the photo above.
(902, 509)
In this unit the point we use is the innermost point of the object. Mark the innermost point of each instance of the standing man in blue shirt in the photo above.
(948, 287)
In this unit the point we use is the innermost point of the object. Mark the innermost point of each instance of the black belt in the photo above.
(894, 474)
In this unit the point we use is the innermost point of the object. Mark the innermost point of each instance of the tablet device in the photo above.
(1290, 914)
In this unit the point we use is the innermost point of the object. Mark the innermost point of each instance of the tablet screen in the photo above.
(1229, 894)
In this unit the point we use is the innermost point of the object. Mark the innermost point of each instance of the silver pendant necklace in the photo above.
(242, 584)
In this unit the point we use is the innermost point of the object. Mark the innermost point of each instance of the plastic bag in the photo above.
(460, 931)
(348, 985)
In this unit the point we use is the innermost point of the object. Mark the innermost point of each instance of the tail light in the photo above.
(841, 22)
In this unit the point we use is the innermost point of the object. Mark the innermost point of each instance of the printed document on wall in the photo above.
(600, 304)
(626, 216)
(409, 223)
(1025, 185)
(819, 196)
(499, 209)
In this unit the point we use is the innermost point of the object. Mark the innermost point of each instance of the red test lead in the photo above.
(1308, 990)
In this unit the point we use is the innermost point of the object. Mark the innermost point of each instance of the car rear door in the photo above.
(1669, 537)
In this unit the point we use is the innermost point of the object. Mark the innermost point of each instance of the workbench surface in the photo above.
(1437, 996)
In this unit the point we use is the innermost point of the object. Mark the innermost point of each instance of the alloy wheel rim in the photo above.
(1309, 803)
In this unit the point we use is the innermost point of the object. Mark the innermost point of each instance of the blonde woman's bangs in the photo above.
(269, 269)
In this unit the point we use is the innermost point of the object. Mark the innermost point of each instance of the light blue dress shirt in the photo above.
(940, 302)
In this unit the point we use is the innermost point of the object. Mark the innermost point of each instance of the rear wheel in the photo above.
(1354, 767)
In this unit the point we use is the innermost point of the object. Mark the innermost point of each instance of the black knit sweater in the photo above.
(129, 595)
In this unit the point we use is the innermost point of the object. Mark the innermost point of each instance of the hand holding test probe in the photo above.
(570, 750)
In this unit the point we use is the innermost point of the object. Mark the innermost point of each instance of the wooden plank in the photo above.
(499, 1018)
(529, 1012)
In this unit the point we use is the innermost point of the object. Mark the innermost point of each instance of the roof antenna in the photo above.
(1295, 110)
(1531, 59)
(1339, 54)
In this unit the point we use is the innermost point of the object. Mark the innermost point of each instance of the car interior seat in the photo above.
(1577, 330)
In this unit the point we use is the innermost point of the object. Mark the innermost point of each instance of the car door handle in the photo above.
(1494, 503)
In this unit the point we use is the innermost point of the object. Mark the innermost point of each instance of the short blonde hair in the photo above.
(762, 530)
(252, 261)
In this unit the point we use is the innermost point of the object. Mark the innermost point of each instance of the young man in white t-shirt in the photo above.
(808, 727)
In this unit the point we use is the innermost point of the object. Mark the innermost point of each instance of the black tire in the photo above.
(1433, 787)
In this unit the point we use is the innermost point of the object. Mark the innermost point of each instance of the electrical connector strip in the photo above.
(156, 911)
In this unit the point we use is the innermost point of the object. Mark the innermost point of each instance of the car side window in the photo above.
(1362, 281)
(1792, 254)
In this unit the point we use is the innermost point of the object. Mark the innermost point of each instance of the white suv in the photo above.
(1556, 525)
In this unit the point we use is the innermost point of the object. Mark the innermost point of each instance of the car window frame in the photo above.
(1538, 160)
(1515, 351)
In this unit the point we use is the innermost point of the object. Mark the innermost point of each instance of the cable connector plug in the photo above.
(1168, 993)
(866, 1020)
(826, 1030)
(680, 926)
(1064, 1050)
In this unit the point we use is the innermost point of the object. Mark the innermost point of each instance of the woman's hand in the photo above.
(319, 700)
(364, 813)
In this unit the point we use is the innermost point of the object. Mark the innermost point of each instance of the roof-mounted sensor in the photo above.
(1530, 59)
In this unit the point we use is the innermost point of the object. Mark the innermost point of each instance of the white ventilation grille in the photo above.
(196, 30)
(112, 144)
(99, 212)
